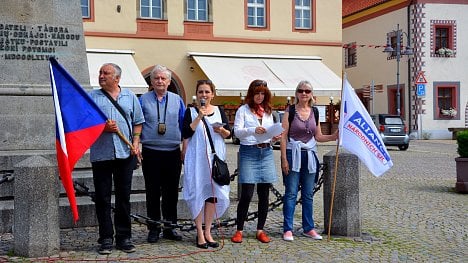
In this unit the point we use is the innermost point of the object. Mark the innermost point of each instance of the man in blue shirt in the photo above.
(112, 158)
(161, 138)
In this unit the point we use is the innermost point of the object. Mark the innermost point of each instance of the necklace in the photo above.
(306, 122)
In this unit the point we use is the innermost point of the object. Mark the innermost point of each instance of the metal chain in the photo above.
(189, 226)
(7, 176)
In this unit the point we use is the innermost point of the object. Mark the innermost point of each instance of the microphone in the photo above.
(202, 102)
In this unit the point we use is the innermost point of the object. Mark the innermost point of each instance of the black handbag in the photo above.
(220, 171)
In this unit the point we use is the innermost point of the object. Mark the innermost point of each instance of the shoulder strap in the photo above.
(292, 109)
(316, 114)
(292, 112)
(209, 136)
(117, 106)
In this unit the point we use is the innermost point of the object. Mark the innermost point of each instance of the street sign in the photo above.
(421, 90)
(420, 79)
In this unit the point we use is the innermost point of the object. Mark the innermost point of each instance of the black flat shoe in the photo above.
(212, 244)
(204, 245)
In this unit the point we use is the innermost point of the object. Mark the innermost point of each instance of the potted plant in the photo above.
(445, 52)
(451, 112)
(441, 51)
(462, 162)
(230, 105)
(279, 106)
(448, 52)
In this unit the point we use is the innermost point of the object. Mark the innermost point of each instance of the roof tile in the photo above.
(353, 6)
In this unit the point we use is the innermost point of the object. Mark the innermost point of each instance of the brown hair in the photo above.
(207, 82)
(256, 86)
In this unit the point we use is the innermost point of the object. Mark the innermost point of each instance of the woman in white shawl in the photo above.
(205, 198)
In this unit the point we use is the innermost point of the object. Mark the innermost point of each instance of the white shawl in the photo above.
(296, 146)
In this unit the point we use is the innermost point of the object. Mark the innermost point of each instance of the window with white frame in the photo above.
(256, 13)
(197, 10)
(85, 11)
(303, 14)
(151, 9)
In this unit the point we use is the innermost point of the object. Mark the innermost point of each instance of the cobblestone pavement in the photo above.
(411, 214)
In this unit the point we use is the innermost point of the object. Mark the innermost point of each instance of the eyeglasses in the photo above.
(300, 91)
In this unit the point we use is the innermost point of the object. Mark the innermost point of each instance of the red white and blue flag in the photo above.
(359, 135)
(78, 123)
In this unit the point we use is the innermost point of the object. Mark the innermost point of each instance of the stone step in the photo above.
(86, 211)
(82, 176)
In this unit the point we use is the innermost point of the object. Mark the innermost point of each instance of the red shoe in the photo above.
(237, 237)
(262, 237)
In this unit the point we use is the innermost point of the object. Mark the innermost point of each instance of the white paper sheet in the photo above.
(272, 131)
(217, 124)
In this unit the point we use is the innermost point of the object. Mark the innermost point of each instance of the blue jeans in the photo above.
(256, 165)
(291, 182)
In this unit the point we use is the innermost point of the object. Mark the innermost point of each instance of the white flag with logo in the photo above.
(359, 135)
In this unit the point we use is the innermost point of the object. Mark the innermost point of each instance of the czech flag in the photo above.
(78, 123)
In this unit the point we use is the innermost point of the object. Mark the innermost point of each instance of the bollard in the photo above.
(36, 223)
(346, 217)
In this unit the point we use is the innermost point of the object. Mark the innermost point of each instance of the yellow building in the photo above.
(231, 42)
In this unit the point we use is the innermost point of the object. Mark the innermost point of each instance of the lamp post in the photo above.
(398, 52)
(194, 101)
(331, 114)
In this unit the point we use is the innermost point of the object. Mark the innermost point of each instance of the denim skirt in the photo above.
(256, 165)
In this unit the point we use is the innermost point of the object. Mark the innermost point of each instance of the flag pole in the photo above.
(335, 171)
(122, 137)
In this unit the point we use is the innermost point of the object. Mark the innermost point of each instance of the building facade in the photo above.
(425, 70)
(231, 42)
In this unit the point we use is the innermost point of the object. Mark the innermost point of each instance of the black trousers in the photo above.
(247, 190)
(161, 170)
(121, 170)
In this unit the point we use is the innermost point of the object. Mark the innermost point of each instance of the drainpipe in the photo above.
(408, 14)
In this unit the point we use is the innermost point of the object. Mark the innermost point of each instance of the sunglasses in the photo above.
(300, 91)
(260, 83)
